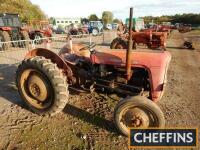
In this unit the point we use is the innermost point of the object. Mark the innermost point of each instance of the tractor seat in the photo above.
(73, 55)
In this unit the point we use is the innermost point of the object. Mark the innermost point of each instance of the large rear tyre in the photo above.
(4, 37)
(25, 37)
(137, 111)
(42, 86)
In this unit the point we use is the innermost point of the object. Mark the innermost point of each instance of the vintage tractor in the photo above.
(43, 79)
(80, 32)
(11, 30)
(152, 40)
(38, 30)
(183, 28)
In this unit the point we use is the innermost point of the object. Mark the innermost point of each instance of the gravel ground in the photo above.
(87, 121)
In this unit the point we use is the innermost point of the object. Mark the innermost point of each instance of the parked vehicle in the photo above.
(152, 40)
(95, 27)
(11, 30)
(115, 25)
(39, 29)
(59, 30)
(109, 26)
(78, 31)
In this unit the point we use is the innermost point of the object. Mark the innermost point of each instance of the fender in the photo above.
(54, 58)
(5, 28)
(40, 31)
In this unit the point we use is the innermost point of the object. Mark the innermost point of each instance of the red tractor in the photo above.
(152, 40)
(43, 79)
(11, 30)
(39, 29)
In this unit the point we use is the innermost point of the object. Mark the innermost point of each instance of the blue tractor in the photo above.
(95, 28)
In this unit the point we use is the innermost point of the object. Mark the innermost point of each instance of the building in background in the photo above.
(67, 21)
(138, 23)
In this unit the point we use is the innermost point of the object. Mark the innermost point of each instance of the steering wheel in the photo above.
(88, 47)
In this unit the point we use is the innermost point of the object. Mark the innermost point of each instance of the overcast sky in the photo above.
(120, 8)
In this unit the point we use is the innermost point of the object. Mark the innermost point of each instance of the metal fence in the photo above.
(13, 52)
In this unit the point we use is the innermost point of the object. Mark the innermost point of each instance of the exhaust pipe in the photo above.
(130, 45)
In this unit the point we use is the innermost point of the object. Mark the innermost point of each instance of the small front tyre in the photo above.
(137, 112)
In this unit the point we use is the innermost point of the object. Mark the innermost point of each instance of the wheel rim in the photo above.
(137, 117)
(37, 39)
(36, 89)
(94, 32)
(80, 34)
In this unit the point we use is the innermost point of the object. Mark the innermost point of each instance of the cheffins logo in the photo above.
(161, 138)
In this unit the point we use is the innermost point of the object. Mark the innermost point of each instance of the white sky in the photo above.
(120, 8)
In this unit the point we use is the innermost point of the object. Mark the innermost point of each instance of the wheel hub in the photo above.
(35, 90)
(37, 87)
(135, 117)
(37, 38)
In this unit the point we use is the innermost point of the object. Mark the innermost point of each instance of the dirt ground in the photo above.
(87, 121)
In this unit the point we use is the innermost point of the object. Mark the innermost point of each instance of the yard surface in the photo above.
(87, 121)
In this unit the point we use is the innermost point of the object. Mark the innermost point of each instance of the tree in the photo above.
(52, 21)
(93, 17)
(107, 17)
(193, 19)
(116, 21)
(84, 20)
(24, 8)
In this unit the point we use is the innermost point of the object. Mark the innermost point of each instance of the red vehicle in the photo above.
(43, 79)
(159, 28)
(152, 40)
(39, 29)
(11, 30)
(79, 31)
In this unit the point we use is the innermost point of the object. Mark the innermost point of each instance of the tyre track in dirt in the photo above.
(181, 101)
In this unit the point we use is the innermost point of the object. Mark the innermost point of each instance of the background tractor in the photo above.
(43, 79)
(152, 40)
(11, 30)
(39, 29)
(95, 27)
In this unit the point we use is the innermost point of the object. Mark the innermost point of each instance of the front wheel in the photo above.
(95, 32)
(42, 86)
(138, 112)
(38, 38)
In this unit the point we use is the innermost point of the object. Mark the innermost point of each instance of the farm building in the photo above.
(67, 21)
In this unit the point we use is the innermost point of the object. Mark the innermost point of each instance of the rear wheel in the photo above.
(118, 43)
(25, 37)
(4, 37)
(138, 112)
(42, 85)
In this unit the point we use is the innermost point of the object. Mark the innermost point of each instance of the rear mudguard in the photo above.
(54, 58)
(5, 28)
